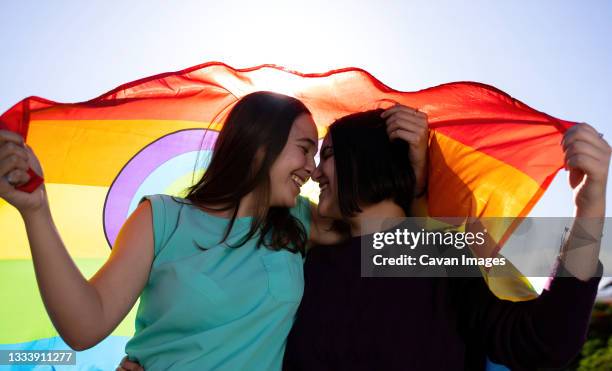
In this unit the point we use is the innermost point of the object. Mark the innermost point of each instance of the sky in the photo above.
(556, 56)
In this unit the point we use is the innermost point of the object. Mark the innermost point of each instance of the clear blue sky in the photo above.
(554, 55)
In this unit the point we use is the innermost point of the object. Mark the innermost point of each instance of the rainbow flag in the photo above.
(490, 155)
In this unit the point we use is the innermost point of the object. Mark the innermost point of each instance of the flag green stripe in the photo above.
(22, 313)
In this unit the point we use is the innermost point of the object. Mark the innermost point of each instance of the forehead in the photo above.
(304, 127)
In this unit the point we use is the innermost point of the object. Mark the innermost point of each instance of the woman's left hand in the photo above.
(410, 125)
(587, 157)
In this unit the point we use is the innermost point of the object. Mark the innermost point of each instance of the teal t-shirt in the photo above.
(221, 308)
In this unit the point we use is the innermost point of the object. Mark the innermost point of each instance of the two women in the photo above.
(346, 322)
(219, 273)
(220, 279)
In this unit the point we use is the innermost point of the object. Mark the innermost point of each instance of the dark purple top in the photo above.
(346, 322)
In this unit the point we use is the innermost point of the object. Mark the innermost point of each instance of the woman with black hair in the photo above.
(347, 322)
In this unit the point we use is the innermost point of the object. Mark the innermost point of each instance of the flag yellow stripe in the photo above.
(92, 152)
(484, 185)
(77, 212)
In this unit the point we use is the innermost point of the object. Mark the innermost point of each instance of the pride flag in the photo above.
(490, 155)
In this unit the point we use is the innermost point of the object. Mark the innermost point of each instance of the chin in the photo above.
(323, 211)
(329, 211)
(289, 200)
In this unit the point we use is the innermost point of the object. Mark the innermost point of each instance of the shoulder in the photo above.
(164, 200)
(163, 205)
(164, 213)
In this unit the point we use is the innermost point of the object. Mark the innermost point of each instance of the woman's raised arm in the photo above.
(83, 311)
(587, 158)
(549, 331)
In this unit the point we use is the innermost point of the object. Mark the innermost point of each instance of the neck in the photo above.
(247, 205)
(371, 218)
(246, 208)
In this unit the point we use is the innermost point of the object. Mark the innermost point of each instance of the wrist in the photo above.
(591, 211)
(418, 166)
(35, 213)
(420, 172)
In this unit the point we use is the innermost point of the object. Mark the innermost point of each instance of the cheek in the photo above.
(330, 173)
(294, 160)
(300, 160)
(284, 166)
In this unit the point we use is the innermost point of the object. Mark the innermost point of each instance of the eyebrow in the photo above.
(309, 141)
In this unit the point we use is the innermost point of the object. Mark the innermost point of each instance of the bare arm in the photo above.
(587, 158)
(83, 312)
(553, 327)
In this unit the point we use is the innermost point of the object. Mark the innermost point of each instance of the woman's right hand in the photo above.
(127, 365)
(412, 126)
(15, 160)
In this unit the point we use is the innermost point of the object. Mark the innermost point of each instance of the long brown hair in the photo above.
(253, 136)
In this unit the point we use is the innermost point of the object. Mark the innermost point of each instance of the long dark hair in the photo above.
(369, 167)
(254, 134)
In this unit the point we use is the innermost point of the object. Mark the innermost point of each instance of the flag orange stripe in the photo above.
(477, 184)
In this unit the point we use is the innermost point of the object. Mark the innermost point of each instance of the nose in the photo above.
(310, 165)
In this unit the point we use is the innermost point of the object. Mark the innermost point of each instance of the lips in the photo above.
(322, 189)
(297, 180)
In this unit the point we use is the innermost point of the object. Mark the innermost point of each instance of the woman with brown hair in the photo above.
(219, 273)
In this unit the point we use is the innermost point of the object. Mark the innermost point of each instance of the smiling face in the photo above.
(325, 175)
(295, 163)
